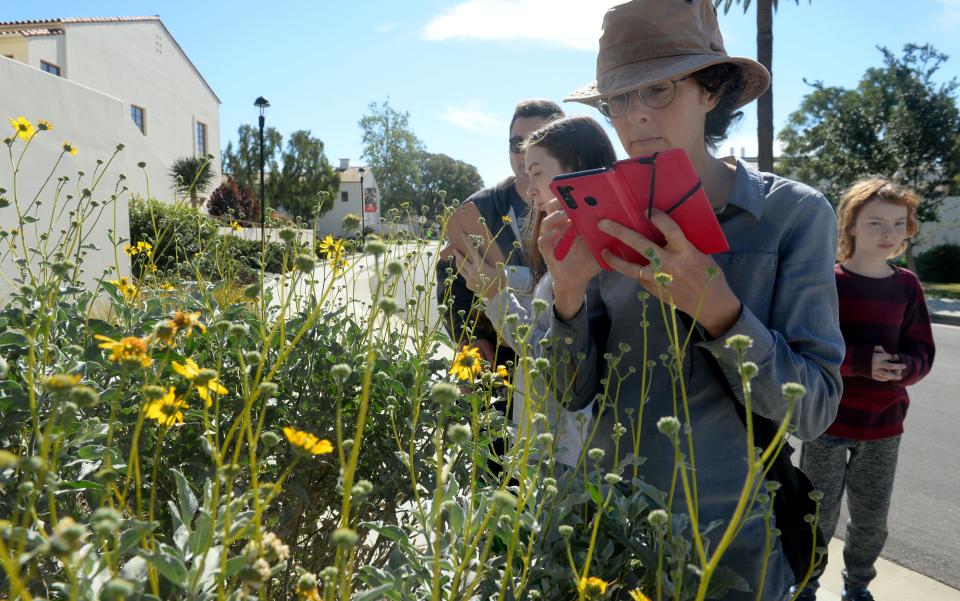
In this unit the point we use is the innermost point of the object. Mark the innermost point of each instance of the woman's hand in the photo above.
(570, 276)
(688, 268)
(481, 277)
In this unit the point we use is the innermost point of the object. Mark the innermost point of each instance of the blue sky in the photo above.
(460, 66)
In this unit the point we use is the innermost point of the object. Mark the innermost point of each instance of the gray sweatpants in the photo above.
(866, 469)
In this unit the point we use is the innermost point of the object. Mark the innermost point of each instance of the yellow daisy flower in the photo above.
(186, 321)
(44, 125)
(592, 587)
(205, 380)
(23, 128)
(166, 410)
(506, 219)
(128, 350)
(69, 148)
(236, 226)
(126, 288)
(306, 442)
(466, 365)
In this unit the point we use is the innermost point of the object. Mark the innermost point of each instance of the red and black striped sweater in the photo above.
(890, 312)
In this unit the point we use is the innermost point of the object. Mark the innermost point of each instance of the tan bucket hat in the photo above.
(645, 41)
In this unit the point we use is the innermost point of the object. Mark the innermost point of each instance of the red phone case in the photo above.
(626, 192)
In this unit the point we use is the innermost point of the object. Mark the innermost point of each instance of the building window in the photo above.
(137, 113)
(344, 197)
(201, 139)
(49, 68)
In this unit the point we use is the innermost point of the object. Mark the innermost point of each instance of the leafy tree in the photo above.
(441, 172)
(305, 176)
(765, 10)
(192, 175)
(242, 162)
(296, 175)
(393, 152)
(898, 123)
(232, 200)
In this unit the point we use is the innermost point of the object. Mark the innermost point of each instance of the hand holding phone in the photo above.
(627, 193)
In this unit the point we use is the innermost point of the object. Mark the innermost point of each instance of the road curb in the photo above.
(949, 319)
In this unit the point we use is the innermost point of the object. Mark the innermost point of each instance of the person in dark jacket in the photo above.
(505, 208)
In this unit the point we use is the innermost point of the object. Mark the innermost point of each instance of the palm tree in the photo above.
(192, 175)
(765, 10)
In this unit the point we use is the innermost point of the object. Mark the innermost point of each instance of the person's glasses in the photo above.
(655, 96)
(516, 144)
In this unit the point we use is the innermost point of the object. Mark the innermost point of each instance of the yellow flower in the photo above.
(44, 125)
(466, 365)
(592, 587)
(126, 288)
(185, 320)
(69, 148)
(23, 128)
(637, 595)
(129, 250)
(145, 247)
(502, 372)
(167, 410)
(506, 219)
(167, 286)
(128, 350)
(206, 380)
(236, 226)
(330, 248)
(306, 442)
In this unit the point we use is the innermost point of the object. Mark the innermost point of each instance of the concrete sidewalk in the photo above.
(944, 310)
(893, 582)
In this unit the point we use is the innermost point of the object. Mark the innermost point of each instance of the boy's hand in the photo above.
(885, 367)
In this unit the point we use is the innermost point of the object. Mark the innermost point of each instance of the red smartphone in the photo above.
(627, 192)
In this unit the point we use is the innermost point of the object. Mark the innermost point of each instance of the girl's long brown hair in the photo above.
(858, 196)
(577, 143)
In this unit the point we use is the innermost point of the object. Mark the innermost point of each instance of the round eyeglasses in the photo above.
(656, 96)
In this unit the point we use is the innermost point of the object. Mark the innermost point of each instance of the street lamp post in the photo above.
(363, 237)
(262, 104)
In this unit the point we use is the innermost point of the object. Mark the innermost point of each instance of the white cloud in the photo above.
(951, 13)
(569, 23)
(473, 118)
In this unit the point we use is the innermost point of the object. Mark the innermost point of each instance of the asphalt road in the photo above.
(925, 513)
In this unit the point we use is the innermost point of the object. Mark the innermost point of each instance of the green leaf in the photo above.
(594, 493)
(373, 593)
(80, 485)
(170, 566)
(188, 501)
(200, 536)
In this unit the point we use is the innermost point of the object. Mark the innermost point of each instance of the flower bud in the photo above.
(341, 372)
(459, 434)
(375, 247)
(444, 393)
(669, 425)
(305, 263)
(344, 537)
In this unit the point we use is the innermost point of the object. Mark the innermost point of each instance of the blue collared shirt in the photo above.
(783, 243)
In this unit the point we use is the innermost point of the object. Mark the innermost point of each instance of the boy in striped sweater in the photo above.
(886, 328)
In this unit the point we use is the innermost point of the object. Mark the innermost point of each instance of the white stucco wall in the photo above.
(49, 48)
(94, 122)
(140, 64)
(331, 222)
(944, 231)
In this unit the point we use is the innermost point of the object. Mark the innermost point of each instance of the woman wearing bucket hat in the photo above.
(665, 81)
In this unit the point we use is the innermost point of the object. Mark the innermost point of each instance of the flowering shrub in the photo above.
(309, 439)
